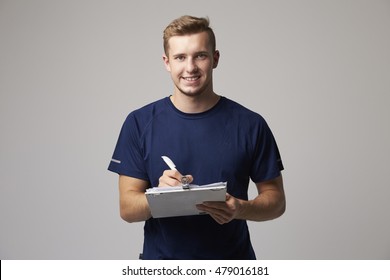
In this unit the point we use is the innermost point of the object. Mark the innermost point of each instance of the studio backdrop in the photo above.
(71, 71)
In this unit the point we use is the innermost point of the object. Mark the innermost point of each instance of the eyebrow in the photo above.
(178, 54)
(196, 53)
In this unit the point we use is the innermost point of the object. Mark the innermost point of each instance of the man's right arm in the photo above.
(133, 204)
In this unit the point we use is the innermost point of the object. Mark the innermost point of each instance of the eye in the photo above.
(201, 56)
(180, 58)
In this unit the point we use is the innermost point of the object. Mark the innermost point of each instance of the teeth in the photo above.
(191, 79)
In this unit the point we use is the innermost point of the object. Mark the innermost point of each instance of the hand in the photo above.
(222, 212)
(172, 178)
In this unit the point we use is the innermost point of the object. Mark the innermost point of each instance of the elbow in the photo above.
(133, 217)
(276, 211)
(126, 217)
(281, 209)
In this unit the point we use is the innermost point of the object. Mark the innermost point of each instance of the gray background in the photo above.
(70, 72)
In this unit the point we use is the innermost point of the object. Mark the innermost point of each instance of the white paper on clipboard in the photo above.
(176, 201)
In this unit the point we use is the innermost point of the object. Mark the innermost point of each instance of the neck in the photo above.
(194, 104)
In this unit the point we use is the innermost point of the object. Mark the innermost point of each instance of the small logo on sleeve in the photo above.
(115, 160)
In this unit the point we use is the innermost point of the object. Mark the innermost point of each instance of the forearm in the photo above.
(134, 207)
(269, 204)
(266, 206)
(133, 204)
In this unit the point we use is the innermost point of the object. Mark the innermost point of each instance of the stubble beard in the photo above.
(206, 88)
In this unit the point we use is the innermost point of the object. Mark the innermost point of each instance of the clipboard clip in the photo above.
(184, 180)
(185, 183)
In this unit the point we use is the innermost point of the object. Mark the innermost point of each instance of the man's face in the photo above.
(191, 62)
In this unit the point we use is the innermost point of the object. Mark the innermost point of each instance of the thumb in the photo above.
(228, 196)
(189, 178)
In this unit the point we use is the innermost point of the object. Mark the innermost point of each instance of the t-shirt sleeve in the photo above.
(267, 162)
(127, 158)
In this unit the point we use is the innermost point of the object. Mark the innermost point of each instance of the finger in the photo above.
(168, 182)
(170, 178)
(229, 206)
(218, 205)
(189, 178)
(220, 212)
(220, 216)
(220, 219)
(173, 174)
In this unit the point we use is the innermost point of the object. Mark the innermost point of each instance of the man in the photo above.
(211, 139)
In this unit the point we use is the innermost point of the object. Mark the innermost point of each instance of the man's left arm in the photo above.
(270, 203)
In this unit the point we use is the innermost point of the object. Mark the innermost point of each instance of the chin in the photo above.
(192, 93)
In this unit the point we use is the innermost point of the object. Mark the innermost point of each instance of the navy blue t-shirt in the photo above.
(226, 143)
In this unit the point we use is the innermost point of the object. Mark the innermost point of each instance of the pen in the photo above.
(172, 166)
(169, 162)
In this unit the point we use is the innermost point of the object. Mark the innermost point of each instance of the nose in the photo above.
(191, 66)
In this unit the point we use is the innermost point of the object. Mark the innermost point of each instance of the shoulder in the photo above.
(243, 113)
(151, 109)
(139, 120)
(142, 116)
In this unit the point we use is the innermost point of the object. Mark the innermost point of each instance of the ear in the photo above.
(166, 63)
(216, 59)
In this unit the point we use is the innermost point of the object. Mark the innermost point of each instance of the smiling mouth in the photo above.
(191, 79)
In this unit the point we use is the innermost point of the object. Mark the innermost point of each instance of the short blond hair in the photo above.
(187, 25)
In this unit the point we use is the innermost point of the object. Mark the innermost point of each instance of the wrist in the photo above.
(242, 207)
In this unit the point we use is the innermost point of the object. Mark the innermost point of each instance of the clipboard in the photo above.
(181, 201)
